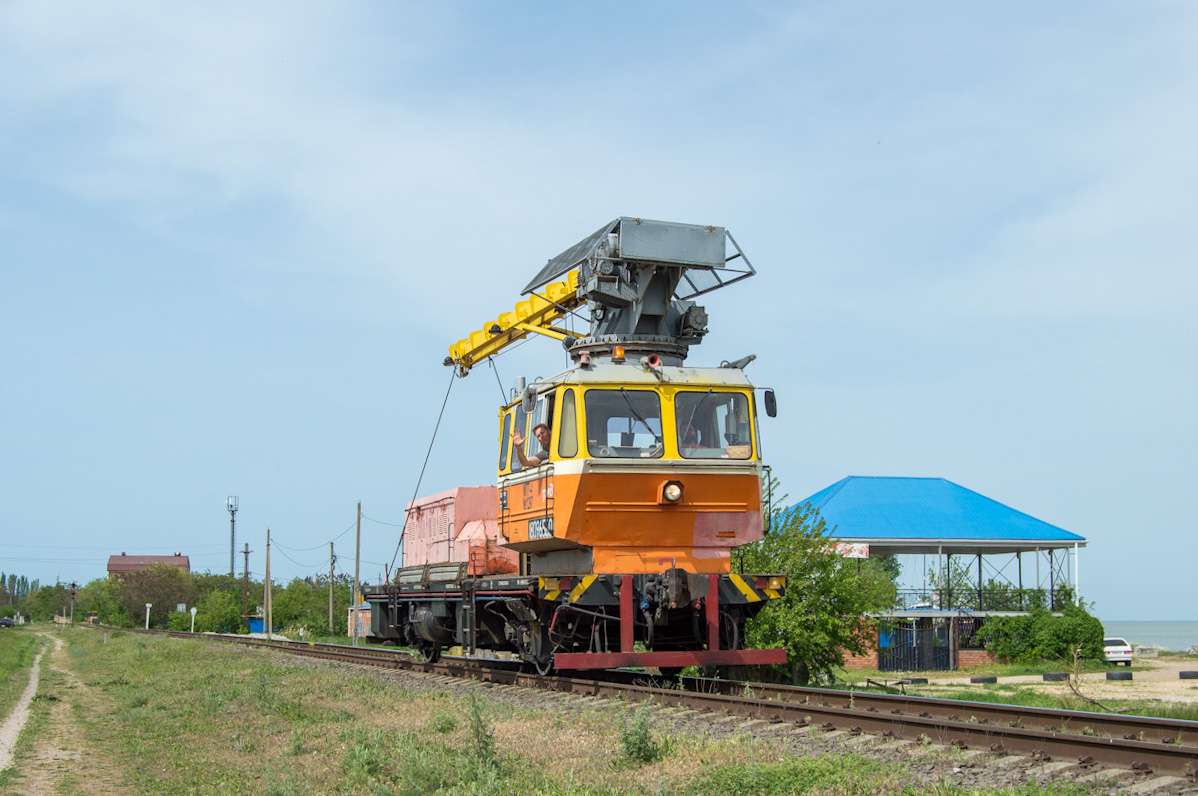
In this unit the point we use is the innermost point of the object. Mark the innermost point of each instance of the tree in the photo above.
(305, 603)
(101, 596)
(47, 602)
(161, 585)
(824, 611)
(218, 612)
(14, 590)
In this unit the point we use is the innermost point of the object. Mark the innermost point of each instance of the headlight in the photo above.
(671, 492)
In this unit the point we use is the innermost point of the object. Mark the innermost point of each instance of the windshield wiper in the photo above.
(690, 421)
(656, 437)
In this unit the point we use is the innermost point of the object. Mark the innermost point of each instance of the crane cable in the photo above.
(416, 491)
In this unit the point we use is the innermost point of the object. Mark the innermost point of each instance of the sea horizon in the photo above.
(1175, 635)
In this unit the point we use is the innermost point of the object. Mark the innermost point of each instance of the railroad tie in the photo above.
(1155, 784)
(1105, 775)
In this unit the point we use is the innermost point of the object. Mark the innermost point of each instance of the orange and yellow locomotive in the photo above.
(624, 482)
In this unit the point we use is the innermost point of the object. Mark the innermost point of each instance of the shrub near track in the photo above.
(18, 647)
(199, 717)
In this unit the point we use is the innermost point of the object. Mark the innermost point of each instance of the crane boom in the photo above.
(535, 314)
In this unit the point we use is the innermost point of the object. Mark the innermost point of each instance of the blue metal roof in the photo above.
(911, 513)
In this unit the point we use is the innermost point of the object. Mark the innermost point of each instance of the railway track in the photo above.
(1162, 746)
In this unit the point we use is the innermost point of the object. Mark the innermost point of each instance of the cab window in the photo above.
(623, 423)
(541, 415)
(522, 425)
(505, 441)
(713, 425)
(567, 440)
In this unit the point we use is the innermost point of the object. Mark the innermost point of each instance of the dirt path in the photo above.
(10, 730)
(60, 759)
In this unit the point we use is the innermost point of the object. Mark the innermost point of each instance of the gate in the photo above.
(914, 646)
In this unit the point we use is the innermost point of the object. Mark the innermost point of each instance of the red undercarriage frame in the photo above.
(712, 656)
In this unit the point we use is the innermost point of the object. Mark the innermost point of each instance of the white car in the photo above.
(1116, 650)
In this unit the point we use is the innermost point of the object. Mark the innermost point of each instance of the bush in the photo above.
(179, 621)
(637, 739)
(1041, 636)
(218, 612)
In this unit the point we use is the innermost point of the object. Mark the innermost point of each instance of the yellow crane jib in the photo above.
(535, 314)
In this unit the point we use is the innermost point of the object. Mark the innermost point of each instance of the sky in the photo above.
(236, 241)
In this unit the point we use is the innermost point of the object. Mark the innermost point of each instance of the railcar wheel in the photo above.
(426, 653)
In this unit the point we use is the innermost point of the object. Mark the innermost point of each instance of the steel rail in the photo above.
(1164, 746)
(1105, 725)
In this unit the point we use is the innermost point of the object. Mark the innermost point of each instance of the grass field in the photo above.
(17, 649)
(152, 714)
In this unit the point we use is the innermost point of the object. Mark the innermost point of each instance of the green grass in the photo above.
(48, 685)
(846, 775)
(18, 647)
(184, 716)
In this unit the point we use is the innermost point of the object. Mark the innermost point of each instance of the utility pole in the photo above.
(231, 505)
(245, 587)
(332, 559)
(266, 599)
(357, 557)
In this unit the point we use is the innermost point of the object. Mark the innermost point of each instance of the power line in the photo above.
(58, 560)
(380, 522)
(317, 547)
(297, 563)
(89, 547)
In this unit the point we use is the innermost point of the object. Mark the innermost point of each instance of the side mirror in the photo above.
(771, 404)
(528, 401)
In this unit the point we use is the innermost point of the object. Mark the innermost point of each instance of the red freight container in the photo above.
(462, 525)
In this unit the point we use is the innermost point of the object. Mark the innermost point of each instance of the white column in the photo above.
(1077, 583)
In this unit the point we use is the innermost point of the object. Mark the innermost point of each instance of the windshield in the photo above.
(713, 425)
(623, 423)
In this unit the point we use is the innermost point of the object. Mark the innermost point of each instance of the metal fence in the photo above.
(914, 646)
(991, 598)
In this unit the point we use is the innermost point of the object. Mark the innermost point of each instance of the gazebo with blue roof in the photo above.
(933, 516)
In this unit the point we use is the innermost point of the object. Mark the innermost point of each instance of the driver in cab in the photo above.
(541, 432)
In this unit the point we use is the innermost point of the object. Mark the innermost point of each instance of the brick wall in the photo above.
(866, 661)
(967, 658)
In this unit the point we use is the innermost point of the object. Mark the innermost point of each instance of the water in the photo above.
(1176, 636)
